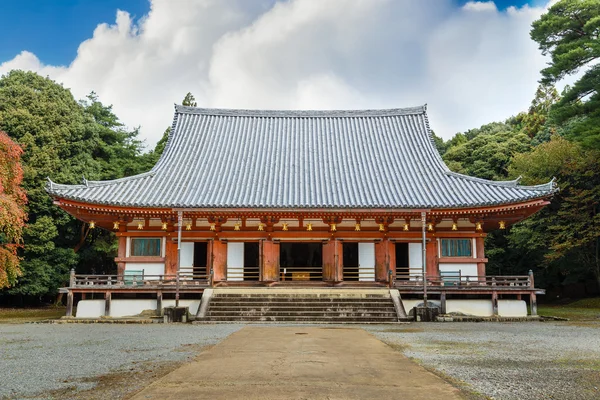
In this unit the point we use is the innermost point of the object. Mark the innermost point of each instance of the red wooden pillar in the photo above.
(122, 253)
(385, 259)
(480, 254)
(170, 257)
(270, 261)
(219, 264)
(333, 261)
(431, 253)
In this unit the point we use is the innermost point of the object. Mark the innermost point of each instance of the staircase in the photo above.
(302, 306)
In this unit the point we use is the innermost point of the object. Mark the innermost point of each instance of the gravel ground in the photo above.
(534, 360)
(37, 359)
(497, 360)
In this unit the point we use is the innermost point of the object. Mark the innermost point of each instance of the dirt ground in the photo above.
(300, 363)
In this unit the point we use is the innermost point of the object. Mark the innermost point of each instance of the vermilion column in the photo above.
(433, 267)
(170, 257)
(480, 254)
(270, 264)
(383, 260)
(219, 254)
(332, 261)
(122, 254)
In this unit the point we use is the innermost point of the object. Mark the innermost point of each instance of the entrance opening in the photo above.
(402, 266)
(350, 259)
(251, 261)
(301, 261)
(200, 263)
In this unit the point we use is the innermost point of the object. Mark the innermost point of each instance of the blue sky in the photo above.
(53, 29)
(301, 54)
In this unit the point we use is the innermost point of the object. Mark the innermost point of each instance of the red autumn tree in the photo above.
(12, 209)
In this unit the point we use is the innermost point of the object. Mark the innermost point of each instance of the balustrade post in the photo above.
(390, 279)
(531, 284)
(495, 303)
(72, 278)
(211, 277)
(69, 303)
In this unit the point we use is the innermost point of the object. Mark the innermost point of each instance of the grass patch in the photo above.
(23, 315)
(580, 310)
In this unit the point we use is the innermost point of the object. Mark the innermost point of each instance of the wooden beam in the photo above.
(495, 303)
(443, 302)
(533, 303)
(69, 304)
(107, 301)
(159, 301)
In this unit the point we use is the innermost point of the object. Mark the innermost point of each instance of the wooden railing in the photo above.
(501, 281)
(186, 279)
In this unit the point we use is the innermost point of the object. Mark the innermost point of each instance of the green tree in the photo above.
(485, 152)
(569, 33)
(63, 139)
(189, 100)
(564, 237)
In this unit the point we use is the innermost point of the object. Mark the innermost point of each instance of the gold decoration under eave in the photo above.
(381, 227)
(92, 224)
(163, 226)
(284, 227)
(261, 227)
(236, 227)
(454, 226)
(309, 227)
(188, 226)
(333, 228)
(478, 226)
(116, 225)
(429, 226)
(212, 227)
(357, 227)
(502, 225)
(406, 227)
(140, 225)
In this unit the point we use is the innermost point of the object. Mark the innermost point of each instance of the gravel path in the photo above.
(507, 360)
(40, 358)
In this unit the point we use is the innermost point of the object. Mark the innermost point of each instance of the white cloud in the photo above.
(473, 64)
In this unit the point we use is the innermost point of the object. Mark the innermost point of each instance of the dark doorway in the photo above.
(251, 261)
(301, 261)
(200, 260)
(402, 269)
(350, 260)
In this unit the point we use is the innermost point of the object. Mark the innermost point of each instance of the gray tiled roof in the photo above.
(300, 159)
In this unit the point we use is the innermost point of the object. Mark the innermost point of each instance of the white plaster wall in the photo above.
(90, 309)
(477, 307)
(187, 254)
(415, 259)
(149, 268)
(465, 269)
(127, 307)
(512, 308)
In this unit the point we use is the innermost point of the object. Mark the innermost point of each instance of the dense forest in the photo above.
(558, 137)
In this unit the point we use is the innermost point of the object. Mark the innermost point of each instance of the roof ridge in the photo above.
(86, 183)
(301, 113)
(548, 186)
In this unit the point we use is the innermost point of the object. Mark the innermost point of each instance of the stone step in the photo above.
(302, 303)
(300, 299)
(300, 308)
(304, 314)
(299, 319)
(302, 295)
(301, 312)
